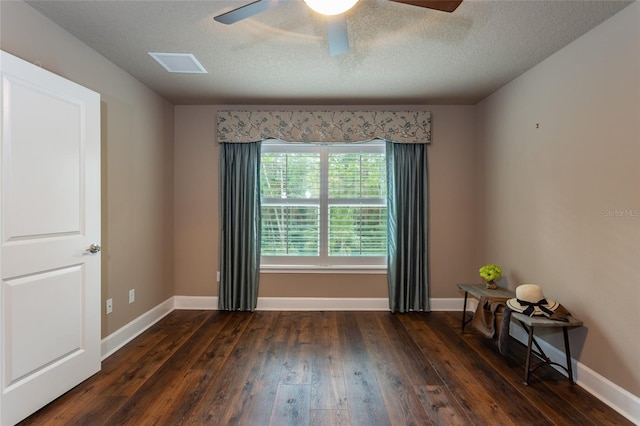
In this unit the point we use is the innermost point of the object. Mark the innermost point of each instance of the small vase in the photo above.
(491, 285)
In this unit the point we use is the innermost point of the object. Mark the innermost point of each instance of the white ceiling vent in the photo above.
(179, 62)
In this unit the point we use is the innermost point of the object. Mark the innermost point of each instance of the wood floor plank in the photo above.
(291, 406)
(437, 399)
(319, 368)
(255, 404)
(476, 400)
(439, 405)
(326, 338)
(366, 405)
(71, 414)
(401, 401)
(329, 418)
(409, 355)
(352, 345)
(297, 365)
(221, 399)
(328, 388)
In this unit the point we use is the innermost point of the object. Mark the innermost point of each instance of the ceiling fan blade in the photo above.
(337, 34)
(247, 10)
(442, 5)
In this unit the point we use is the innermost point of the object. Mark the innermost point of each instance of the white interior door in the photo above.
(50, 216)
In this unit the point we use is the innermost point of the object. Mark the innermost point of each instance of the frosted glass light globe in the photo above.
(331, 7)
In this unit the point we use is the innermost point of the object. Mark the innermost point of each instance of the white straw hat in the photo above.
(530, 301)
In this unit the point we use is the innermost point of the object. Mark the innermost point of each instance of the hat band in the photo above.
(531, 307)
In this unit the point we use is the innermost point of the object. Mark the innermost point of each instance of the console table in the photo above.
(479, 291)
(529, 324)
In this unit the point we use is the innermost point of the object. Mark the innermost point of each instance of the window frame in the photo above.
(324, 262)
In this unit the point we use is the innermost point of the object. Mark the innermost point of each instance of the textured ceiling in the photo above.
(400, 54)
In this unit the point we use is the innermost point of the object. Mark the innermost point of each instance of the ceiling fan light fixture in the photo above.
(330, 7)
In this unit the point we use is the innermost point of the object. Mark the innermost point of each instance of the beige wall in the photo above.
(137, 162)
(561, 172)
(452, 171)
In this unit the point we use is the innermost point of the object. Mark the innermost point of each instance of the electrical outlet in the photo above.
(109, 306)
(132, 295)
(218, 276)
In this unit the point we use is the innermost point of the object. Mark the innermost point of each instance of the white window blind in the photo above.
(323, 205)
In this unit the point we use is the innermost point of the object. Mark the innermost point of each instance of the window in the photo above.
(323, 205)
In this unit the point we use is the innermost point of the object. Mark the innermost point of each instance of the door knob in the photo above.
(94, 248)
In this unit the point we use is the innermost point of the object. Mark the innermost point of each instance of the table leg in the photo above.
(464, 312)
(568, 354)
(527, 363)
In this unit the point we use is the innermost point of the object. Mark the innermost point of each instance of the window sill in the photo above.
(305, 269)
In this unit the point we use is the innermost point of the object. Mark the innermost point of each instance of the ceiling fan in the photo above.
(336, 21)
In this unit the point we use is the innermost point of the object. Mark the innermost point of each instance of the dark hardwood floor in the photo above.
(320, 368)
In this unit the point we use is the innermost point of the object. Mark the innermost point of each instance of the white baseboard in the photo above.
(127, 333)
(611, 394)
(621, 400)
(321, 304)
(317, 303)
(290, 303)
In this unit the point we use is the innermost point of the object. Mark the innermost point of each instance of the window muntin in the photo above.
(323, 205)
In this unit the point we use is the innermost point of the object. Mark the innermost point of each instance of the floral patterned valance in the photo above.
(324, 126)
